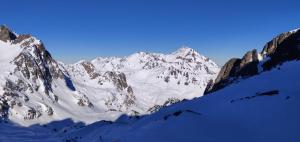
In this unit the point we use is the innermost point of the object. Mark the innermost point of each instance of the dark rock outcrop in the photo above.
(284, 47)
(120, 82)
(169, 102)
(248, 65)
(6, 34)
(38, 65)
(228, 71)
(32, 114)
(34, 71)
(21, 38)
(118, 79)
(272, 45)
(3, 109)
(90, 69)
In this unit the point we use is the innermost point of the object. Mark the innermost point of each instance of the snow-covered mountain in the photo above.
(254, 105)
(36, 89)
(253, 99)
(144, 81)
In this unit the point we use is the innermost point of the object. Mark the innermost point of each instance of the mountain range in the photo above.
(36, 88)
(181, 96)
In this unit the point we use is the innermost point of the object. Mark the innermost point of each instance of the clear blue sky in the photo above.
(220, 29)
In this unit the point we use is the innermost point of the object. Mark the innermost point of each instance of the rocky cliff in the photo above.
(282, 48)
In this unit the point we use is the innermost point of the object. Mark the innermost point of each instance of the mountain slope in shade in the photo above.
(36, 89)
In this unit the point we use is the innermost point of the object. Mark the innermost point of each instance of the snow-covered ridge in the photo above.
(169, 76)
(34, 88)
(295, 30)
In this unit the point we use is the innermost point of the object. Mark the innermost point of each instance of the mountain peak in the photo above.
(185, 49)
(6, 34)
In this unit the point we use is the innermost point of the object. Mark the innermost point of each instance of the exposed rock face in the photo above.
(49, 111)
(84, 101)
(90, 69)
(248, 65)
(170, 101)
(32, 113)
(228, 70)
(35, 63)
(6, 34)
(32, 71)
(250, 56)
(118, 79)
(3, 109)
(284, 47)
(272, 45)
(120, 96)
